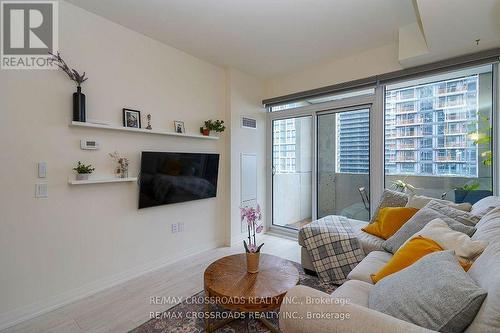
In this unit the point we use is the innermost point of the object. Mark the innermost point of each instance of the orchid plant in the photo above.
(252, 216)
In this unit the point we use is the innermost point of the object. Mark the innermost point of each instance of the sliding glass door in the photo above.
(292, 171)
(343, 156)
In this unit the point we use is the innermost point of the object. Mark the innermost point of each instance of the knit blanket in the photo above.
(334, 248)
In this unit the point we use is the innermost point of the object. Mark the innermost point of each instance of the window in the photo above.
(451, 127)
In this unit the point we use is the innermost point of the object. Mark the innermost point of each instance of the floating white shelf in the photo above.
(101, 181)
(140, 130)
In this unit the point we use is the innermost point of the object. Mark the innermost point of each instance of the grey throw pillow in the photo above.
(417, 222)
(461, 216)
(391, 199)
(435, 293)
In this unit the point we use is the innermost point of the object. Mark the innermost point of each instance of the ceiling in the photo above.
(451, 27)
(262, 37)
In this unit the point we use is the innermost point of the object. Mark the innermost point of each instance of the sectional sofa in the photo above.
(485, 272)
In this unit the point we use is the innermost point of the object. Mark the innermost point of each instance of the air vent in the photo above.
(248, 123)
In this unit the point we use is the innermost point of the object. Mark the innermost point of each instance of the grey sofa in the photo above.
(485, 272)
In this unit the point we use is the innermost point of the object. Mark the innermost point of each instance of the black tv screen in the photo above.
(168, 178)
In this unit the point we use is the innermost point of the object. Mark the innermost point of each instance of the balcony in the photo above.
(450, 159)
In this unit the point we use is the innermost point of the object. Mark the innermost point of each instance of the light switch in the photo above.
(174, 228)
(42, 169)
(41, 190)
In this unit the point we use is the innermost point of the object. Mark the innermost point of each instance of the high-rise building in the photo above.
(430, 129)
(353, 141)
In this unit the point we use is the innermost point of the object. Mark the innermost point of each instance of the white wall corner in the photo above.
(412, 44)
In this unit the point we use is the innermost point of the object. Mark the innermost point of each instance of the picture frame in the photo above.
(179, 127)
(131, 118)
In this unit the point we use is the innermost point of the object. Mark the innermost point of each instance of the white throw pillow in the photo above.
(419, 201)
(483, 206)
(449, 239)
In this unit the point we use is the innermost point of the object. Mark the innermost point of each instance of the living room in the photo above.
(249, 166)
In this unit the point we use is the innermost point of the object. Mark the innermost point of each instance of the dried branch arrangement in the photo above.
(72, 73)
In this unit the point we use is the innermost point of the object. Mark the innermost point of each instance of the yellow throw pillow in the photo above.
(415, 249)
(389, 220)
(409, 253)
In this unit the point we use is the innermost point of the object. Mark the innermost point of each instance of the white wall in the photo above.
(84, 238)
(375, 61)
(245, 94)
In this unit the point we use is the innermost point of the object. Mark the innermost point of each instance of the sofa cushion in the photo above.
(390, 199)
(368, 242)
(413, 250)
(353, 292)
(446, 297)
(389, 220)
(461, 216)
(486, 273)
(465, 248)
(483, 206)
(419, 201)
(371, 264)
(420, 220)
(488, 229)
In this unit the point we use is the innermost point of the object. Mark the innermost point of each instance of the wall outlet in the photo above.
(181, 226)
(175, 228)
(41, 190)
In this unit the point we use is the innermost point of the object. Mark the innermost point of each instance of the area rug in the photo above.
(179, 319)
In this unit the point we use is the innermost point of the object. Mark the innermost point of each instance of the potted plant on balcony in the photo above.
(470, 192)
(401, 185)
(83, 171)
(253, 217)
(212, 125)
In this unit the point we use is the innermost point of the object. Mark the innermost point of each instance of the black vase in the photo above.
(78, 105)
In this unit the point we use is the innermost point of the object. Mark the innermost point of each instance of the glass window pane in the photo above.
(292, 167)
(448, 120)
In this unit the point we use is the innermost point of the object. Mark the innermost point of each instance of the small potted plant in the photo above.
(253, 217)
(83, 171)
(212, 125)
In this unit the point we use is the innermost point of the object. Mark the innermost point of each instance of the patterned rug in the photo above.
(180, 318)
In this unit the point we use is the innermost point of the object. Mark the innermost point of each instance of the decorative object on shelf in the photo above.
(78, 96)
(83, 171)
(179, 127)
(122, 168)
(212, 125)
(131, 118)
(149, 122)
(253, 217)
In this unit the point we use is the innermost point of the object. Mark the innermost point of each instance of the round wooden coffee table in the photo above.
(229, 285)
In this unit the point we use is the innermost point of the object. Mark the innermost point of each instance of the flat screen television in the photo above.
(168, 178)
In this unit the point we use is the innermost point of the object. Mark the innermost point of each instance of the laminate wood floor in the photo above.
(128, 305)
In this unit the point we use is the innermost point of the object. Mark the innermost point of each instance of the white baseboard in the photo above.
(16, 316)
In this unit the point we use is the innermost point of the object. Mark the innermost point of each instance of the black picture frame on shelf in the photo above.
(131, 118)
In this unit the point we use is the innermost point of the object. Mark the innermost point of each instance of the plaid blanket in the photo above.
(333, 247)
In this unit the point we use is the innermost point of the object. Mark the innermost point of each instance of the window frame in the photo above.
(377, 140)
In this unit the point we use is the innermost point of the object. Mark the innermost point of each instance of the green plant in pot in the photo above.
(212, 125)
(83, 171)
(470, 192)
(403, 186)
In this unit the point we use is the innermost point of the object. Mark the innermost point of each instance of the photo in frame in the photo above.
(179, 127)
(131, 118)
